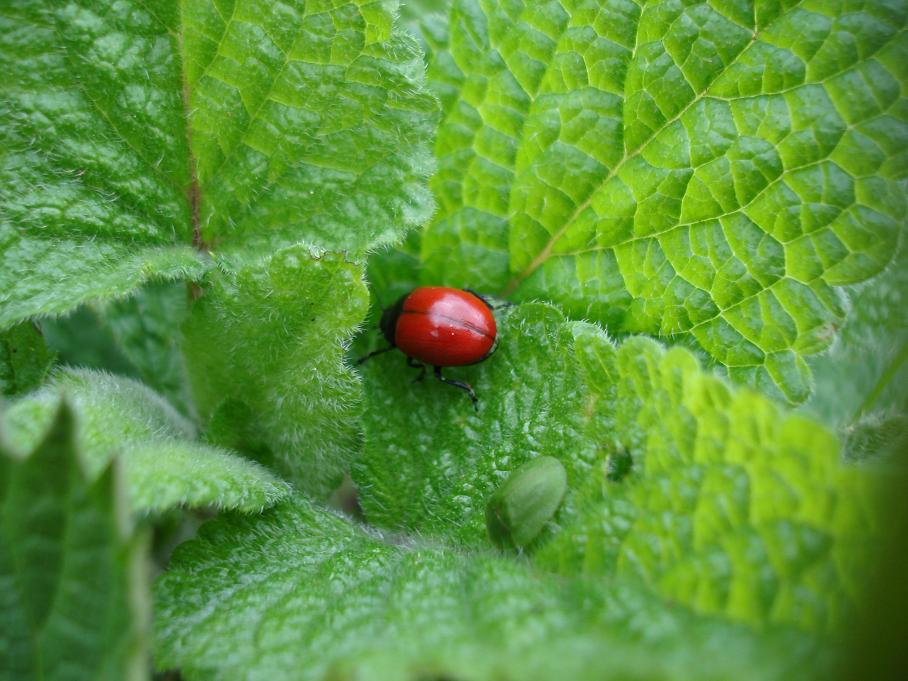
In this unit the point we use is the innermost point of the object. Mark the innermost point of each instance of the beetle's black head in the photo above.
(388, 323)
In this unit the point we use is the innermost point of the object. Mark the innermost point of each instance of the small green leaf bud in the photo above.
(525, 502)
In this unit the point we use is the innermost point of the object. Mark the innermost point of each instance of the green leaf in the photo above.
(701, 172)
(24, 359)
(733, 507)
(304, 124)
(94, 171)
(430, 463)
(73, 583)
(301, 593)
(309, 123)
(164, 467)
(730, 506)
(264, 345)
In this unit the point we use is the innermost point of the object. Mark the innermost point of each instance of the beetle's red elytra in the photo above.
(444, 327)
(440, 327)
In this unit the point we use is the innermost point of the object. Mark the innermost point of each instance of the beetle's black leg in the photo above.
(417, 365)
(372, 354)
(459, 384)
(488, 301)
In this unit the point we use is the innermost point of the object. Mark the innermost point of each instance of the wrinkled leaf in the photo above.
(706, 172)
(265, 349)
(164, 466)
(94, 171)
(430, 463)
(73, 583)
(712, 497)
(309, 123)
(301, 593)
(732, 507)
(305, 123)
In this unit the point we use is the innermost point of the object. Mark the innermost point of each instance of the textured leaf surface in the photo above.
(310, 122)
(94, 171)
(430, 463)
(307, 122)
(732, 506)
(73, 590)
(301, 593)
(712, 497)
(704, 171)
(24, 359)
(265, 345)
(164, 467)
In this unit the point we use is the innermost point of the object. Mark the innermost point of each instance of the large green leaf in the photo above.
(703, 171)
(94, 171)
(306, 122)
(712, 497)
(300, 593)
(309, 121)
(732, 506)
(164, 466)
(430, 463)
(264, 347)
(73, 589)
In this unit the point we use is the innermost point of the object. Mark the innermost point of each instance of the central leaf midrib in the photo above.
(193, 191)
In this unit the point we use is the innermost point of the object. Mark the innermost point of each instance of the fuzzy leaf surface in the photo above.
(94, 170)
(731, 505)
(430, 463)
(310, 121)
(265, 349)
(707, 172)
(24, 359)
(73, 587)
(305, 123)
(164, 466)
(300, 593)
(712, 497)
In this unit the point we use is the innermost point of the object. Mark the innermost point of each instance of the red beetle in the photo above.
(440, 327)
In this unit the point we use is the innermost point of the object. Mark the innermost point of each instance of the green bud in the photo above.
(520, 508)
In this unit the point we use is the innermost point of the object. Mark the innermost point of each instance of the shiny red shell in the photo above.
(445, 327)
